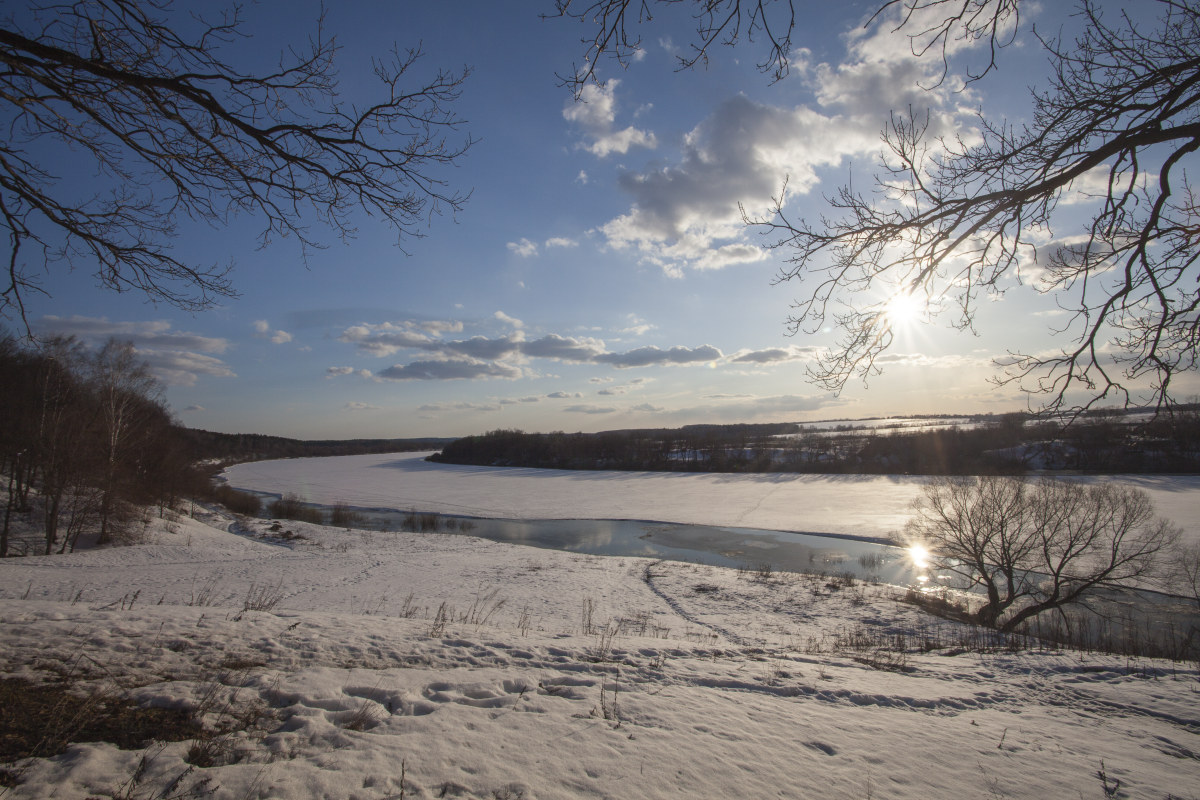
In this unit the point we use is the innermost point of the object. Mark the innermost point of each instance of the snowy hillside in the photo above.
(342, 664)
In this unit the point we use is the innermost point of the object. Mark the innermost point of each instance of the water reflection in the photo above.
(720, 546)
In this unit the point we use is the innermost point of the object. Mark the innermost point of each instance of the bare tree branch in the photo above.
(177, 133)
(718, 22)
(954, 222)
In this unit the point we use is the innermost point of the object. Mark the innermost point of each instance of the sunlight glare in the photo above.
(904, 310)
(919, 556)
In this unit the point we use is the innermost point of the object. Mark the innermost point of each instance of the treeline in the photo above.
(701, 448)
(223, 449)
(1005, 444)
(86, 440)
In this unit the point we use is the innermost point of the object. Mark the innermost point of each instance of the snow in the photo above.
(388, 665)
(868, 506)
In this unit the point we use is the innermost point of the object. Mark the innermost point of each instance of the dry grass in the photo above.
(41, 720)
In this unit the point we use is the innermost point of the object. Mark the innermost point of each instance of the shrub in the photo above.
(343, 516)
(238, 502)
(290, 506)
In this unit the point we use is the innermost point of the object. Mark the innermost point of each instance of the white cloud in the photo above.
(595, 114)
(505, 318)
(653, 356)
(637, 326)
(523, 248)
(775, 355)
(450, 369)
(436, 407)
(263, 331)
(386, 338)
(564, 395)
(561, 241)
(774, 408)
(337, 372)
(590, 409)
(508, 356)
(687, 214)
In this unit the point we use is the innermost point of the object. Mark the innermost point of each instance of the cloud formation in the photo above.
(595, 114)
(449, 370)
(508, 356)
(651, 356)
(523, 248)
(775, 355)
(441, 407)
(263, 331)
(590, 409)
(688, 214)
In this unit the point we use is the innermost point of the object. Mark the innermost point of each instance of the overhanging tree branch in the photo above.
(954, 221)
(178, 133)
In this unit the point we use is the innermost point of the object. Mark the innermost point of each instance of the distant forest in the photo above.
(1108, 441)
(223, 449)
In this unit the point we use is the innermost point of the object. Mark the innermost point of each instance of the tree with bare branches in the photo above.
(1035, 546)
(952, 222)
(176, 132)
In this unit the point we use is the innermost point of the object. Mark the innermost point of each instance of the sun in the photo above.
(919, 555)
(904, 310)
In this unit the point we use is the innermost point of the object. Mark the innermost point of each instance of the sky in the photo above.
(600, 275)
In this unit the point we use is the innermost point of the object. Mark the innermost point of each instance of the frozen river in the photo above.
(860, 506)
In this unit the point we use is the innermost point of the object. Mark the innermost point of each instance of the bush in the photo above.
(238, 502)
(290, 506)
(343, 516)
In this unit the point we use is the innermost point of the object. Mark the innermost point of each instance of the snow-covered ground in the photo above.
(872, 506)
(392, 665)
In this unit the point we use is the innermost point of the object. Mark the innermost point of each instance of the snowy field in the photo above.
(874, 506)
(344, 664)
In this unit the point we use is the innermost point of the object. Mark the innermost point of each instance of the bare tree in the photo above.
(126, 395)
(951, 222)
(1032, 547)
(1186, 572)
(142, 92)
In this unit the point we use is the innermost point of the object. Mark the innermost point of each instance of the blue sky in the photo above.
(600, 276)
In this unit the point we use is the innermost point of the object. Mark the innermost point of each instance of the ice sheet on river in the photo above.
(849, 505)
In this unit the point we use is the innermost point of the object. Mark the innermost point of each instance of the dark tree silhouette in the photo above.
(142, 91)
